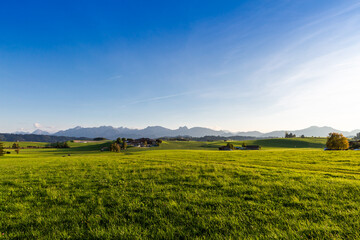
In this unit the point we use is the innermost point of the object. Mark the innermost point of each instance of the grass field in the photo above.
(181, 190)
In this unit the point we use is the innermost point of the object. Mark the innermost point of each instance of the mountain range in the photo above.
(158, 131)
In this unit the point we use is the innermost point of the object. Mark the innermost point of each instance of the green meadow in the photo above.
(291, 189)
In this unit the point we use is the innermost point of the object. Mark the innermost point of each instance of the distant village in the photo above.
(144, 142)
(124, 143)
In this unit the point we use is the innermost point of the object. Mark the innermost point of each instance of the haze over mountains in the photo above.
(158, 131)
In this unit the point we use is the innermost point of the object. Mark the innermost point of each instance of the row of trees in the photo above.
(60, 145)
(292, 135)
(289, 135)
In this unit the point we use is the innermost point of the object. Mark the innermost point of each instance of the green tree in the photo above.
(114, 147)
(2, 149)
(118, 140)
(337, 141)
(230, 145)
(15, 146)
(124, 145)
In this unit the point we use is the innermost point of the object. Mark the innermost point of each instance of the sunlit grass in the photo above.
(163, 193)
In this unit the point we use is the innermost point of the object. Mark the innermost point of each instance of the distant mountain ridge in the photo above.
(150, 132)
(158, 131)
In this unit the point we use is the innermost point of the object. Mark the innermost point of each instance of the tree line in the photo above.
(9, 137)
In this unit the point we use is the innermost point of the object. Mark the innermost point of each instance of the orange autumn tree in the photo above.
(337, 141)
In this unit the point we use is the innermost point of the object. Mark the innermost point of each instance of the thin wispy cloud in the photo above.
(156, 99)
(333, 13)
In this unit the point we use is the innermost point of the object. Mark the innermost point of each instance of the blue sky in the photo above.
(233, 65)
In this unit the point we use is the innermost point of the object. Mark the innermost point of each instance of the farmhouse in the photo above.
(240, 148)
(144, 142)
(248, 147)
(354, 144)
(252, 147)
(225, 148)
